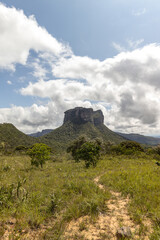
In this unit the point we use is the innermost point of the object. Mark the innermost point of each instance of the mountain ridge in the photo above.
(148, 140)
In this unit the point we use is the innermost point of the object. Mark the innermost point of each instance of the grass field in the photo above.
(43, 201)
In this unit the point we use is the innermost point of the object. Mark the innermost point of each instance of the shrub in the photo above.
(157, 149)
(131, 145)
(39, 153)
(127, 148)
(89, 152)
(21, 148)
(76, 146)
(107, 147)
(85, 150)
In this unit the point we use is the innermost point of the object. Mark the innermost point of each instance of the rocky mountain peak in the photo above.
(80, 115)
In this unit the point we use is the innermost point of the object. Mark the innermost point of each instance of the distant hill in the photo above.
(11, 135)
(39, 134)
(78, 122)
(141, 139)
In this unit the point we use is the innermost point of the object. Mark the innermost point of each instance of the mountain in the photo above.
(77, 122)
(13, 137)
(141, 139)
(39, 134)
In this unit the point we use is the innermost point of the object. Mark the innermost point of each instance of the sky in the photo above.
(56, 55)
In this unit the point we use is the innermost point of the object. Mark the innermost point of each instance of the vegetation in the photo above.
(60, 138)
(11, 137)
(151, 141)
(75, 146)
(39, 153)
(127, 148)
(63, 190)
(89, 151)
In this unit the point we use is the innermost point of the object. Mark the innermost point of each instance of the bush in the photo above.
(21, 148)
(76, 146)
(39, 153)
(127, 148)
(107, 147)
(85, 150)
(89, 152)
(157, 149)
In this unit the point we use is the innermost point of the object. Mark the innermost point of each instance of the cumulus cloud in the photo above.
(19, 34)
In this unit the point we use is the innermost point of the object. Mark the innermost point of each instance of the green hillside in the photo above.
(153, 141)
(61, 137)
(13, 137)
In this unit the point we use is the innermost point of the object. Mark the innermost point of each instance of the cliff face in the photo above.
(80, 115)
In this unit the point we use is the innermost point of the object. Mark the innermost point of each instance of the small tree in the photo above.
(39, 153)
(90, 153)
(75, 146)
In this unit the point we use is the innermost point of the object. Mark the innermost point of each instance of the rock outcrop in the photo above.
(80, 115)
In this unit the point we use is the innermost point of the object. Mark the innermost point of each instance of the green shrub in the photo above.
(127, 148)
(89, 151)
(157, 149)
(107, 147)
(21, 148)
(75, 146)
(39, 153)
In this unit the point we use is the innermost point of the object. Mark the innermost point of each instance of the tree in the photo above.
(88, 151)
(75, 146)
(39, 153)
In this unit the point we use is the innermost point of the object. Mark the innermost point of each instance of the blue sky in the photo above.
(91, 53)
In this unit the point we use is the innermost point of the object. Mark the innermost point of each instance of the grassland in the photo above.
(39, 203)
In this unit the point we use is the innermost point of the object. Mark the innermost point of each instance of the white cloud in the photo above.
(130, 45)
(118, 47)
(134, 44)
(38, 70)
(20, 34)
(139, 12)
(9, 82)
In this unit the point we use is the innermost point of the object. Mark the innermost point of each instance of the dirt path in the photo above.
(107, 224)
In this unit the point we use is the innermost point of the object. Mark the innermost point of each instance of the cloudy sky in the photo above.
(58, 54)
